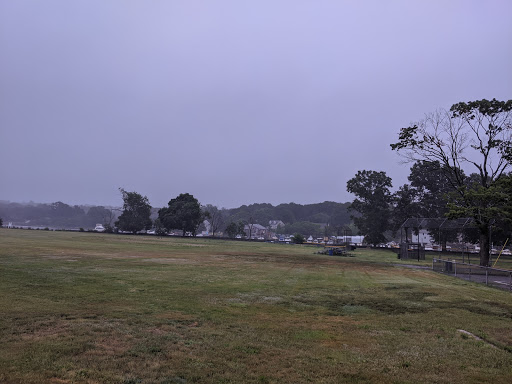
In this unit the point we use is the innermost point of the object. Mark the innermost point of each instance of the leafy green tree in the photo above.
(298, 238)
(304, 227)
(426, 196)
(286, 213)
(160, 230)
(97, 215)
(64, 215)
(1, 222)
(319, 217)
(183, 213)
(241, 228)
(372, 203)
(476, 134)
(431, 188)
(232, 230)
(136, 212)
(405, 206)
(432, 196)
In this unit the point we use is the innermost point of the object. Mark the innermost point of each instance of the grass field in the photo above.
(97, 308)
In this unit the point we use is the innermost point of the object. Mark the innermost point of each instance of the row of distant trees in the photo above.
(320, 219)
(184, 213)
(474, 136)
(58, 214)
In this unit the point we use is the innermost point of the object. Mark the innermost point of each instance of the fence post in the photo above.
(510, 285)
(455, 268)
(486, 276)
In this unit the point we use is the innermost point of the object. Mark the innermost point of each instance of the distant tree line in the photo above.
(183, 213)
(58, 214)
(320, 219)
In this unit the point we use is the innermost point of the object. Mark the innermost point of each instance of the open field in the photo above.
(98, 308)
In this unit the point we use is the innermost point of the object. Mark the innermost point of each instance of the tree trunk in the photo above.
(484, 247)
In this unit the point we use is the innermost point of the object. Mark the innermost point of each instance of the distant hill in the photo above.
(327, 218)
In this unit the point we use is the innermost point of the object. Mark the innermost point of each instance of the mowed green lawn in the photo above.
(97, 308)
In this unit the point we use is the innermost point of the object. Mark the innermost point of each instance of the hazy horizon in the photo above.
(233, 102)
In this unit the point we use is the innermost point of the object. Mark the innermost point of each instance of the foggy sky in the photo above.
(235, 102)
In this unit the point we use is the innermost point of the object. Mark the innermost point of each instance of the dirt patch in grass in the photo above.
(111, 346)
(168, 260)
(192, 245)
(46, 333)
(175, 316)
(56, 380)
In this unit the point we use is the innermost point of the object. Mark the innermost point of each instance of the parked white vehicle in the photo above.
(99, 228)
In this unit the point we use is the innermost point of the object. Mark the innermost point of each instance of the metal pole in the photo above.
(439, 245)
(490, 244)
(455, 268)
(486, 276)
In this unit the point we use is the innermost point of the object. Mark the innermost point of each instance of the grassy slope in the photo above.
(81, 307)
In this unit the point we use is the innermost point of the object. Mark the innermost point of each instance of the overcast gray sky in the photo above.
(233, 101)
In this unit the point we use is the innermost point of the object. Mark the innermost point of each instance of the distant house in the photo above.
(274, 224)
(255, 231)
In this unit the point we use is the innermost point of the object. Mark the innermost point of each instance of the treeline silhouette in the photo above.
(317, 219)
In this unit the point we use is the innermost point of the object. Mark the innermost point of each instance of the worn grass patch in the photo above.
(97, 308)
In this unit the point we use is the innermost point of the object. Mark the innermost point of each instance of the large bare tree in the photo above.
(476, 136)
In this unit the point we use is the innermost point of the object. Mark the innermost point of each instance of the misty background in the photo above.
(234, 102)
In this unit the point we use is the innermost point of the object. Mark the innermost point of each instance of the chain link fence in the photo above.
(498, 278)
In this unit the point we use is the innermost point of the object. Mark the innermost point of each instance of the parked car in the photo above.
(99, 228)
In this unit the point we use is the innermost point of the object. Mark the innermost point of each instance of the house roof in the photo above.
(256, 226)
